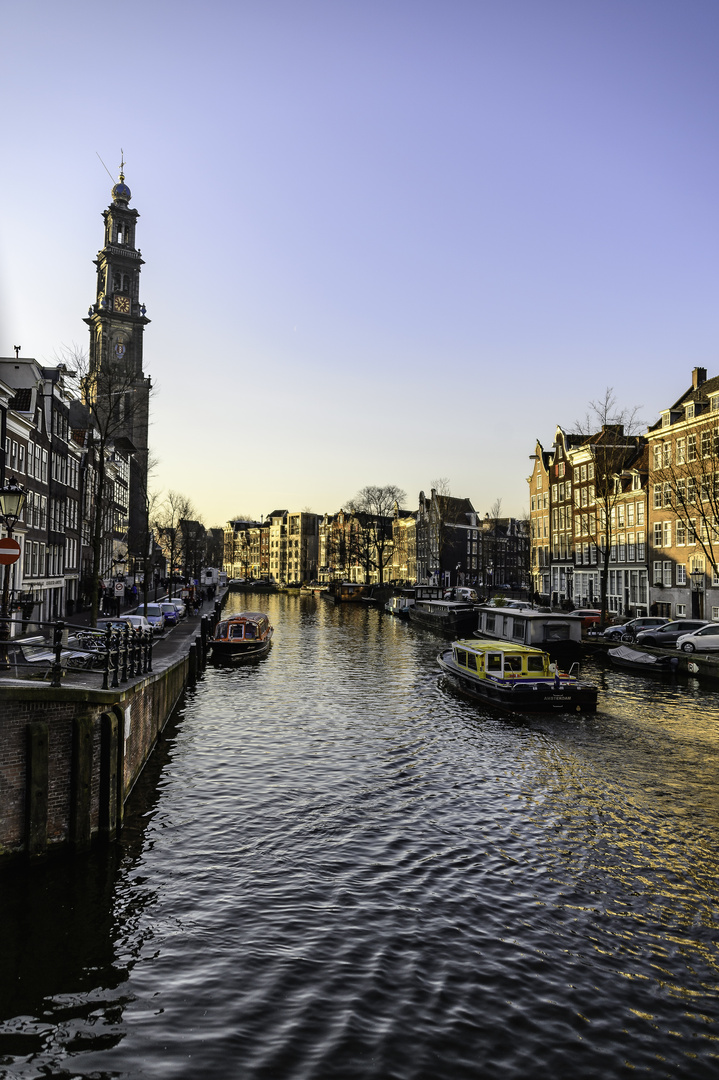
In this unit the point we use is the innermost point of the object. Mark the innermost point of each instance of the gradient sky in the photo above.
(385, 242)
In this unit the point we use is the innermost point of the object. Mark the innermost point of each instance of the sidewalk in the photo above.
(167, 649)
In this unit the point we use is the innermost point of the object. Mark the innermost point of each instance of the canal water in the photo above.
(335, 868)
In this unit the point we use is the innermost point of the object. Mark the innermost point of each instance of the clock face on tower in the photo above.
(122, 304)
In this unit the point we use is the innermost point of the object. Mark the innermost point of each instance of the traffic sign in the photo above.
(9, 551)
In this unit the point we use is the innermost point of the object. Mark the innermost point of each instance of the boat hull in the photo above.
(227, 652)
(532, 696)
(643, 663)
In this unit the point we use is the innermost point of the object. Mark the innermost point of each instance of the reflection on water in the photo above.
(335, 867)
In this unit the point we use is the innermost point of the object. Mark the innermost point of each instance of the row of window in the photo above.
(49, 560)
(704, 444)
(662, 574)
(684, 533)
(37, 459)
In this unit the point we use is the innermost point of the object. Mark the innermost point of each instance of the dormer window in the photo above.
(666, 419)
(714, 403)
(690, 412)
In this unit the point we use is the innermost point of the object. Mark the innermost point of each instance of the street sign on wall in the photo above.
(9, 551)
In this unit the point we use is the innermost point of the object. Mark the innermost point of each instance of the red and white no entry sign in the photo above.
(9, 551)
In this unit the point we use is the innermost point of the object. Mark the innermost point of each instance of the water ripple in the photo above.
(337, 868)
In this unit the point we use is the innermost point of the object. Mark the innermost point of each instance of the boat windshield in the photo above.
(249, 631)
(513, 663)
(236, 631)
(535, 663)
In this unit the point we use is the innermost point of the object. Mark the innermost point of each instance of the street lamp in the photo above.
(697, 578)
(570, 580)
(12, 500)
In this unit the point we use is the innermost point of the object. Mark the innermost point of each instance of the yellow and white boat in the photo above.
(516, 677)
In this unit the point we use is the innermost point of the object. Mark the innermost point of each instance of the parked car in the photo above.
(631, 629)
(156, 618)
(172, 615)
(500, 601)
(180, 605)
(461, 592)
(137, 622)
(666, 637)
(700, 640)
(590, 617)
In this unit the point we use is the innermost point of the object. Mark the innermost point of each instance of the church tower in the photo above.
(117, 323)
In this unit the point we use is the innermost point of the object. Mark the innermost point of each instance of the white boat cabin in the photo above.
(539, 629)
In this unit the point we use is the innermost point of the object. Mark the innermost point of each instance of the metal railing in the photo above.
(117, 653)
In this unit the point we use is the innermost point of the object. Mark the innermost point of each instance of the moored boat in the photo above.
(400, 603)
(448, 617)
(515, 677)
(347, 592)
(556, 633)
(241, 638)
(646, 663)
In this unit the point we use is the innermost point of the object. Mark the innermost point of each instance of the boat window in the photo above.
(471, 661)
(236, 631)
(513, 663)
(518, 628)
(494, 662)
(222, 629)
(461, 657)
(249, 631)
(490, 622)
(535, 663)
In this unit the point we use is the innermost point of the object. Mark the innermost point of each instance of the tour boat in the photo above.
(242, 637)
(515, 677)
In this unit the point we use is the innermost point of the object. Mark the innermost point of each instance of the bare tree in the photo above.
(611, 441)
(374, 508)
(175, 509)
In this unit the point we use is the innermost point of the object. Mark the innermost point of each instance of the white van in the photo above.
(462, 592)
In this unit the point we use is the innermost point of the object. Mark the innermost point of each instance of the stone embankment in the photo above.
(69, 756)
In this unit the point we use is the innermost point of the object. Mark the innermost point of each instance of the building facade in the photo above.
(684, 503)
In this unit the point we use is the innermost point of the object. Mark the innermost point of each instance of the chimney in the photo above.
(699, 376)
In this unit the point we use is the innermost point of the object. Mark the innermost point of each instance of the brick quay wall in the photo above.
(69, 757)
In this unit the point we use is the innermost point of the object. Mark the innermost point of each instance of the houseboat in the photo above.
(347, 592)
(241, 638)
(448, 617)
(515, 677)
(401, 602)
(554, 632)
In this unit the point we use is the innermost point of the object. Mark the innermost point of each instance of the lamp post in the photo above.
(570, 583)
(697, 577)
(12, 500)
